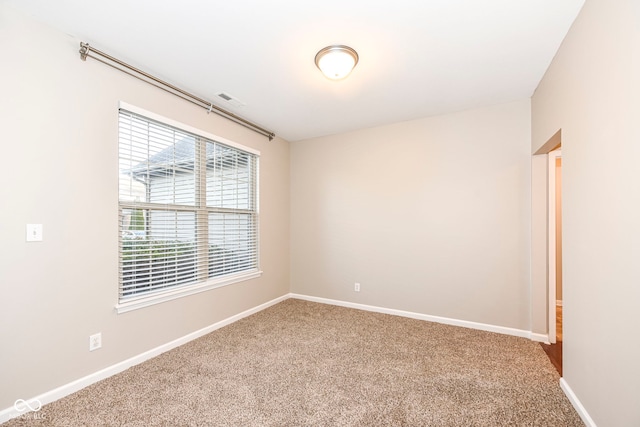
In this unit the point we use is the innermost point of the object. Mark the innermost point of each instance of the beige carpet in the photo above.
(306, 364)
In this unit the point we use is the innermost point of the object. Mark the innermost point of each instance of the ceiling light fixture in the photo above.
(337, 61)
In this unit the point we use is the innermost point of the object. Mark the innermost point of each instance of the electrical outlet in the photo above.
(95, 341)
(357, 287)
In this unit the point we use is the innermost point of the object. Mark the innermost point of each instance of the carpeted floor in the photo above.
(300, 363)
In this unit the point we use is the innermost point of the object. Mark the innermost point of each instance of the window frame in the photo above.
(179, 291)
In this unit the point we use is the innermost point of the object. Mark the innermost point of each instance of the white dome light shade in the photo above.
(336, 62)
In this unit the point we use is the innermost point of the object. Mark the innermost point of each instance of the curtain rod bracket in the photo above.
(210, 108)
(84, 50)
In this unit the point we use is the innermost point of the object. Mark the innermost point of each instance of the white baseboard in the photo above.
(72, 387)
(576, 404)
(445, 320)
(544, 338)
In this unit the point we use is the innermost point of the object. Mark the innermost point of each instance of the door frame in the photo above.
(540, 296)
(551, 243)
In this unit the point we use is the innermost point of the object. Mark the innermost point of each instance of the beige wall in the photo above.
(430, 216)
(59, 150)
(591, 91)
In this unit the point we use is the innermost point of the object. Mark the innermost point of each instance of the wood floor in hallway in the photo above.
(554, 351)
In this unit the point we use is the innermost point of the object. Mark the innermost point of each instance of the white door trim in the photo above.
(551, 306)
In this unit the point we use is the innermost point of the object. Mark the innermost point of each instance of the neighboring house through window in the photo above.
(188, 209)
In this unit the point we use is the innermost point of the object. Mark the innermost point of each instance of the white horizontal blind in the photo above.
(187, 207)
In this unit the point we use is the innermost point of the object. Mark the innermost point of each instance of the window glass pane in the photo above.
(229, 178)
(156, 163)
(232, 243)
(159, 254)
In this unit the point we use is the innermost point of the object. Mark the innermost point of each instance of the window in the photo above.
(187, 210)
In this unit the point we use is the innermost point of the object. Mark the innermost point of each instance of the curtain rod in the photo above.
(86, 51)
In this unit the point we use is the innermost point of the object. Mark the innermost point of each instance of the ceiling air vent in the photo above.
(231, 100)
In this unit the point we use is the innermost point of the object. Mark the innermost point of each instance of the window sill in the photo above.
(141, 302)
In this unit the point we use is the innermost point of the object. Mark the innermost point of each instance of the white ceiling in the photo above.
(417, 57)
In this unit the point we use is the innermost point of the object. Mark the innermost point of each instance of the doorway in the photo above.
(555, 305)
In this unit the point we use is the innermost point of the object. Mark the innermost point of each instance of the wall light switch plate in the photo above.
(34, 232)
